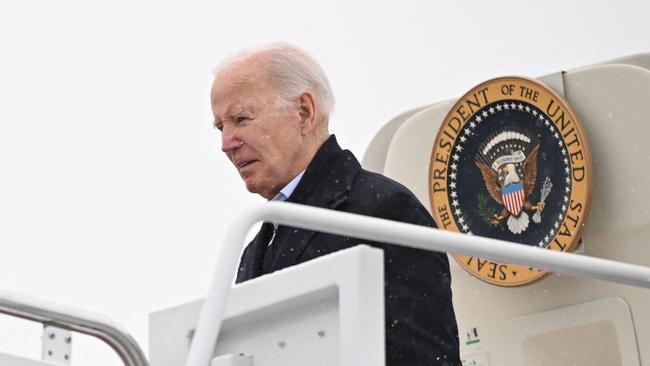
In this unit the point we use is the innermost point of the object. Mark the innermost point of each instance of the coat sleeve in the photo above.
(420, 321)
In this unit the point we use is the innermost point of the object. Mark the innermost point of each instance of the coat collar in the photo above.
(328, 178)
(326, 183)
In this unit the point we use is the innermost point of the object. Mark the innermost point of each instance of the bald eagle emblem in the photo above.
(508, 164)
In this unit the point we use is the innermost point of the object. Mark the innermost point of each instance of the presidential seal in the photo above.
(512, 162)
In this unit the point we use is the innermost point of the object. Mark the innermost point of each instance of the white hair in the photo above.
(292, 71)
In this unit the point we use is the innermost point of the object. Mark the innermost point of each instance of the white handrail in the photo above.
(370, 228)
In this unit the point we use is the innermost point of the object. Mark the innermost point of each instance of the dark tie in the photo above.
(267, 234)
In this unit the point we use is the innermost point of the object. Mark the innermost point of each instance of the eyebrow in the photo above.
(234, 111)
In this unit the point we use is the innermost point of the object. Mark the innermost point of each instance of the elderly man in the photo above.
(272, 107)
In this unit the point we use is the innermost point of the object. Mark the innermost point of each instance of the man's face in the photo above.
(260, 134)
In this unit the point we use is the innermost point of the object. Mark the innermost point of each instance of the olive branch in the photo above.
(483, 208)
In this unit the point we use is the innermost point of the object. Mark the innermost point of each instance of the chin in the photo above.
(251, 187)
(254, 188)
(266, 192)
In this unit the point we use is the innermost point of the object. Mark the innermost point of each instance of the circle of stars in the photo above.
(468, 132)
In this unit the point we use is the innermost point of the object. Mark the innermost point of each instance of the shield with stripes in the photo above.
(513, 197)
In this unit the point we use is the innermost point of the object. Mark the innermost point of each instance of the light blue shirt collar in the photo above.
(288, 189)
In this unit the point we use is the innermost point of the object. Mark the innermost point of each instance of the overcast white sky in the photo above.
(114, 195)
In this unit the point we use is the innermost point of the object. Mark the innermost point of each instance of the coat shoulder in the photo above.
(377, 195)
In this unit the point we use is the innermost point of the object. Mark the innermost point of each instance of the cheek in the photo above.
(273, 165)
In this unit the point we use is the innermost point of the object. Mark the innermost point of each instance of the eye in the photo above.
(241, 119)
(218, 125)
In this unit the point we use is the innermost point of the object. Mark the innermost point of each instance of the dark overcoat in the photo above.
(420, 322)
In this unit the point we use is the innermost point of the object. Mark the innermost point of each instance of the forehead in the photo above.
(243, 79)
(233, 99)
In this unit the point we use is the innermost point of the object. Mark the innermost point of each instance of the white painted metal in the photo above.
(57, 345)
(555, 81)
(75, 320)
(328, 311)
(603, 328)
(375, 155)
(232, 360)
(11, 360)
(375, 229)
(640, 60)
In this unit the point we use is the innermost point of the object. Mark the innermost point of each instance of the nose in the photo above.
(229, 140)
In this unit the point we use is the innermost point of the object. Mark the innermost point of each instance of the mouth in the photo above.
(245, 163)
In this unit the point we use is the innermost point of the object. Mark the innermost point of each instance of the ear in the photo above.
(307, 113)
